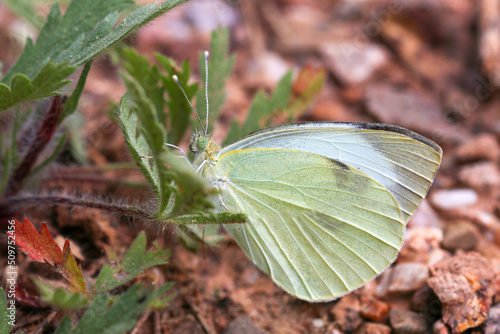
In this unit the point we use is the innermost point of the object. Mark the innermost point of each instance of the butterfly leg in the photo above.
(198, 170)
(221, 201)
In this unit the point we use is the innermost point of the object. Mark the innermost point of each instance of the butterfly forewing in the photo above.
(319, 227)
(402, 161)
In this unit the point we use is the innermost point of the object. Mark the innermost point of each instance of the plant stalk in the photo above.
(42, 138)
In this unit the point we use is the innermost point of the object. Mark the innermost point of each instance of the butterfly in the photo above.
(327, 203)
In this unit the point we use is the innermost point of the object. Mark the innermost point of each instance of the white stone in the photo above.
(454, 198)
(318, 323)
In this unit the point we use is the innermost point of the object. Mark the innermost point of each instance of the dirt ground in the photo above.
(430, 66)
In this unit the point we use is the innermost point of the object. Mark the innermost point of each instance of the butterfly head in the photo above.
(203, 143)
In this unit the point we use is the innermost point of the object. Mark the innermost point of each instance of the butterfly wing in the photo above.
(318, 227)
(404, 162)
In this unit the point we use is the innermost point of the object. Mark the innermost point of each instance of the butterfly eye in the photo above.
(202, 143)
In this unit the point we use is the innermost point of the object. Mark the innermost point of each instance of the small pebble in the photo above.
(207, 15)
(481, 175)
(353, 64)
(407, 322)
(385, 101)
(425, 301)
(270, 68)
(346, 313)
(484, 146)
(492, 325)
(477, 215)
(243, 325)
(420, 244)
(189, 325)
(334, 331)
(440, 328)
(382, 288)
(454, 198)
(438, 255)
(425, 216)
(318, 323)
(372, 328)
(461, 234)
(375, 310)
(408, 277)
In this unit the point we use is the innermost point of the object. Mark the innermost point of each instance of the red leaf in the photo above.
(39, 247)
(42, 248)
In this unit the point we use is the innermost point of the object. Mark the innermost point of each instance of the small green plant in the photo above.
(65, 42)
(124, 309)
(5, 314)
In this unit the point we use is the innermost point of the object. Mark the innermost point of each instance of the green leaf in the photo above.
(192, 191)
(134, 21)
(117, 319)
(5, 324)
(72, 101)
(168, 171)
(60, 298)
(153, 131)
(136, 143)
(159, 302)
(147, 76)
(155, 136)
(134, 262)
(87, 29)
(62, 34)
(178, 106)
(219, 69)
(26, 10)
(262, 109)
(155, 84)
(65, 326)
(46, 82)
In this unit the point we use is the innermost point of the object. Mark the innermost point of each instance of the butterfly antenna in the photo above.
(176, 79)
(206, 88)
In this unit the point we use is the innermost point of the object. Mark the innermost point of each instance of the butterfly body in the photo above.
(327, 203)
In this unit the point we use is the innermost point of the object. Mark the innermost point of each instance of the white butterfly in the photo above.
(327, 203)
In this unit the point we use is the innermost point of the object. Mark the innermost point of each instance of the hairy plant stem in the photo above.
(210, 218)
(124, 209)
(42, 138)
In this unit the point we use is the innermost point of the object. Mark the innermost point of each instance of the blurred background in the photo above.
(430, 66)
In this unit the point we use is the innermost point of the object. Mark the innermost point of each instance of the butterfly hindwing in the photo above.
(319, 227)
